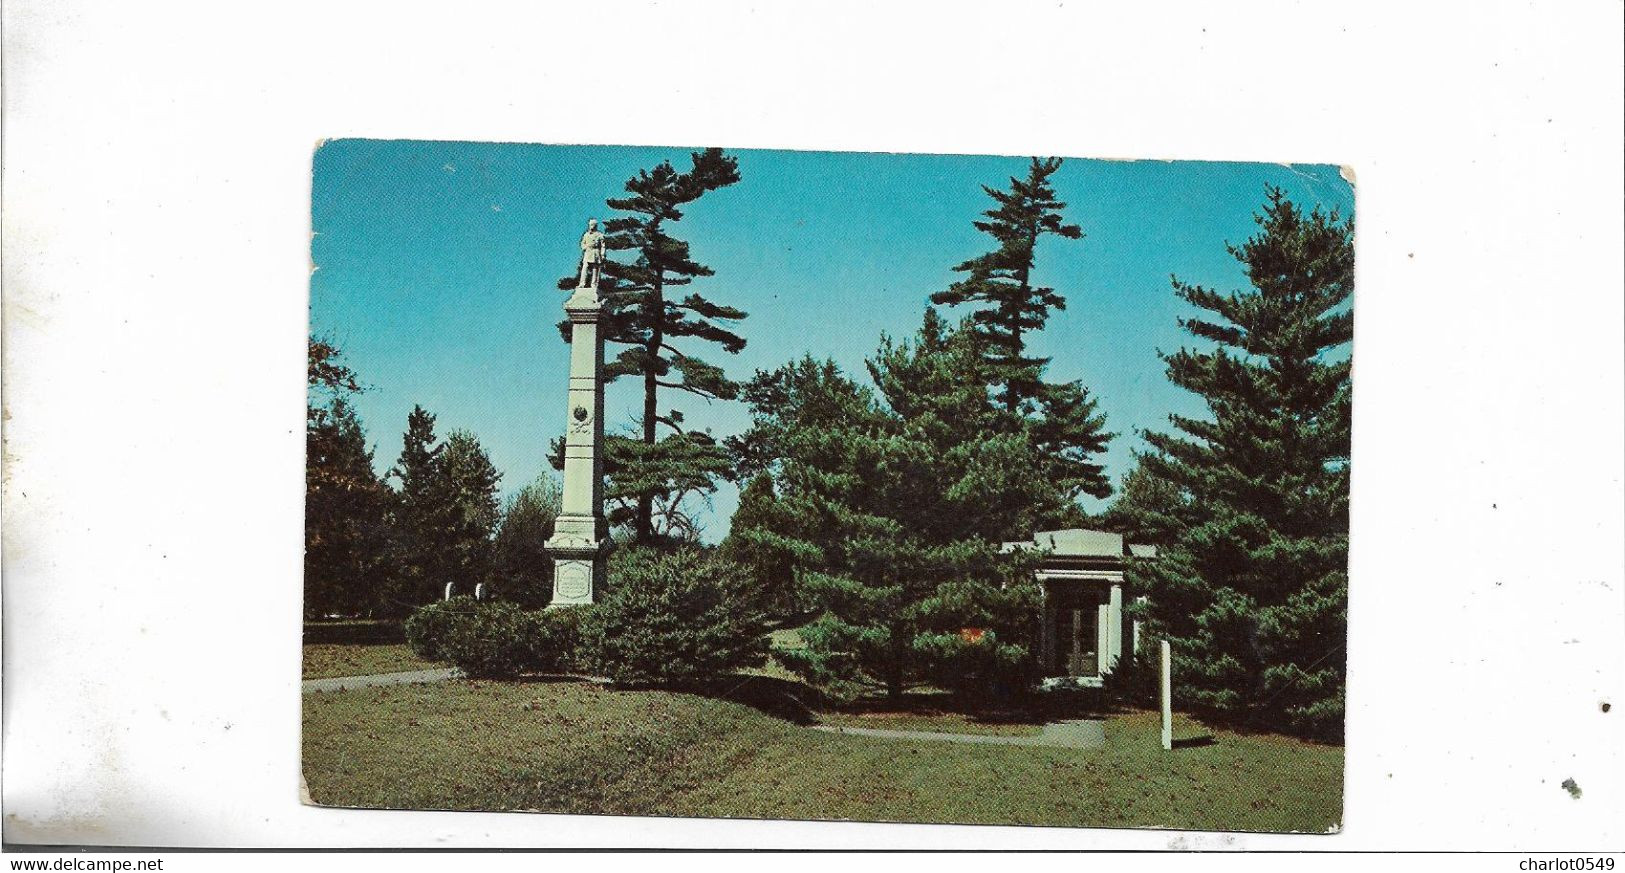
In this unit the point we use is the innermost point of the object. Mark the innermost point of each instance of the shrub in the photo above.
(1136, 680)
(672, 618)
(977, 664)
(426, 628)
(491, 641)
(495, 639)
(555, 638)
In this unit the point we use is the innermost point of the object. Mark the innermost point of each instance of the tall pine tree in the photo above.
(657, 328)
(1253, 589)
(421, 525)
(1009, 307)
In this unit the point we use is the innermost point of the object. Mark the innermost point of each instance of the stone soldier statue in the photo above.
(592, 255)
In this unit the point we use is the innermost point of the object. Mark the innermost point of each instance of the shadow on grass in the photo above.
(1023, 709)
(780, 698)
(801, 704)
(360, 632)
(1196, 742)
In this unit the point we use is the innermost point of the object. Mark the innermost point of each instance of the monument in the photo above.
(580, 537)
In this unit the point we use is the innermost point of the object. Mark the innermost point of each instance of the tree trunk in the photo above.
(894, 670)
(644, 523)
(1012, 399)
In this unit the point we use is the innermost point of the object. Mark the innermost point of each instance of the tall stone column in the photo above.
(580, 537)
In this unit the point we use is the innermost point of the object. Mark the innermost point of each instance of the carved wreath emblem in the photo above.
(581, 416)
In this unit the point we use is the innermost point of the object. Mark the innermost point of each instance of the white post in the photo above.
(448, 592)
(1167, 697)
(1103, 633)
(479, 591)
(1114, 628)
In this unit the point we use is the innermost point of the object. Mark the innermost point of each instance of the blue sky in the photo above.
(436, 264)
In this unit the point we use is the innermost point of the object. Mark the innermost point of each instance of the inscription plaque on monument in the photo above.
(573, 582)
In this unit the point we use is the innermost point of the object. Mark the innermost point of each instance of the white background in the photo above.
(157, 184)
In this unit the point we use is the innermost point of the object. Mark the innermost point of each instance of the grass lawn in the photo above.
(324, 660)
(581, 748)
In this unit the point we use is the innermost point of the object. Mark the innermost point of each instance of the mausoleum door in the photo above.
(1077, 633)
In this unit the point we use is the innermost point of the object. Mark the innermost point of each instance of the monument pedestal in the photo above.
(580, 540)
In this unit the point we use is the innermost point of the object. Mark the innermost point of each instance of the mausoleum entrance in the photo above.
(1083, 632)
(1076, 616)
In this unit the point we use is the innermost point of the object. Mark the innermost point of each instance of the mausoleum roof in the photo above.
(1074, 542)
(1080, 542)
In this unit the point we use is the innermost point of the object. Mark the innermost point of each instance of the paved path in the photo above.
(410, 677)
(1076, 734)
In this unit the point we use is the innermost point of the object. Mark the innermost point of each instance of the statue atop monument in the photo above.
(592, 255)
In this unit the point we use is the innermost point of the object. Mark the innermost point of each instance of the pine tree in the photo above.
(1001, 280)
(422, 524)
(888, 511)
(1253, 589)
(755, 544)
(1147, 509)
(470, 488)
(997, 475)
(1062, 418)
(345, 503)
(643, 314)
(445, 514)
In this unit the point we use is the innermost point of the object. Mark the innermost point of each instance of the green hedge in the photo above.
(668, 618)
(495, 639)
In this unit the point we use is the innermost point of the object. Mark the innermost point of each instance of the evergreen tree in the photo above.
(758, 550)
(646, 267)
(1001, 280)
(345, 503)
(1252, 590)
(1061, 418)
(994, 473)
(470, 487)
(887, 512)
(1147, 509)
(445, 514)
(524, 569)
(422, 523)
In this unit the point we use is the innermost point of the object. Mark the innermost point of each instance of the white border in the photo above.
(157, 161)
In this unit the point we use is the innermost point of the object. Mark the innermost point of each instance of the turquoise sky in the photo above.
(436, 265)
